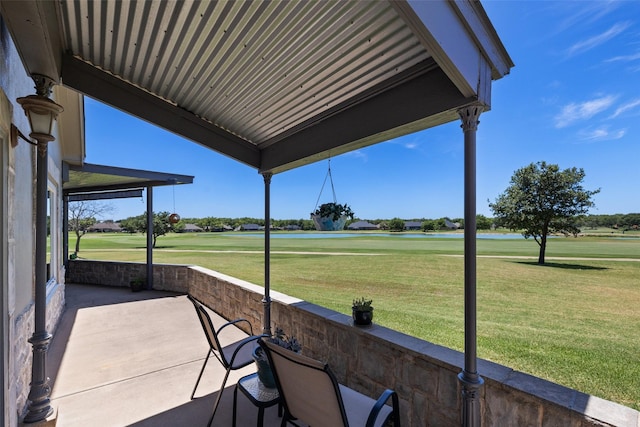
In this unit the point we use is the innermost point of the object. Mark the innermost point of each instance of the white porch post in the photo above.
(266, 300)
(469, 378)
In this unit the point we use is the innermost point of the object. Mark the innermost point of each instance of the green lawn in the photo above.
(575, 322)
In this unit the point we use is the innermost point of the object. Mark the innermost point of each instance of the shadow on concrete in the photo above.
(121, 358)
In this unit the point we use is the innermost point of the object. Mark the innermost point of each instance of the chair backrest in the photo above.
(309, 389)
(207, 326)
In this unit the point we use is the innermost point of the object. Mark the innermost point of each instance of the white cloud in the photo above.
(573, 112)
(410, 142)
(358, 154)
(592, 42)
(624, 58)
(584, 13)
(626, 107)
(601, 134)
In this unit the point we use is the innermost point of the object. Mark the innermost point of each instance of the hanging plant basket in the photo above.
(331, 216)
(325, 223)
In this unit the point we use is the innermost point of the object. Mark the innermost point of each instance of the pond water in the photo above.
(333, 235)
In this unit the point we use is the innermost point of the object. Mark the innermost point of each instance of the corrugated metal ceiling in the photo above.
(255, 69)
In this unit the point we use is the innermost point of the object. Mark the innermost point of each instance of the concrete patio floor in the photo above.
(120, 358)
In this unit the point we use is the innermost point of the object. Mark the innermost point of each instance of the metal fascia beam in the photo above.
(113, 187)
(431, 99)
(111, 90)
(133, 173)
(486, 37)
(441, 31)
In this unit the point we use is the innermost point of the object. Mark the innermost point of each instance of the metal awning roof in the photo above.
(272, 84)
(114, 181)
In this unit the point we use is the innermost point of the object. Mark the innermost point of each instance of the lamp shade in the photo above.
(41, 112)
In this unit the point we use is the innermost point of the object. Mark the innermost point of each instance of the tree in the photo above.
(161, 224)
(133, 223)
(483, 223)
(396, 224)
(429, 225)
(83, 214)
(542, 200)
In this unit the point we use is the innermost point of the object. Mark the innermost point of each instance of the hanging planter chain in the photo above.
(333, 190)
(174, 218)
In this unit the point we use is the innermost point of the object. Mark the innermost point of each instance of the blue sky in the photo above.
(573, 99)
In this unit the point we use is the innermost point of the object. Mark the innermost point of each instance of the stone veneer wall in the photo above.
(22, 359)
(373, 358)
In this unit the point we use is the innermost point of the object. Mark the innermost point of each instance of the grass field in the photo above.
(574, 321)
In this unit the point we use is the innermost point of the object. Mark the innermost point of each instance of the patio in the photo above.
(131, 359)
(169, 347)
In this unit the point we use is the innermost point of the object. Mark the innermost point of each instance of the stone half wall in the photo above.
(370, 359)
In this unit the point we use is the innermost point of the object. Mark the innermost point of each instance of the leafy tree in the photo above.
(396, 224)
(83, 214)
(541, 200)
(483, 223)
(161, 224)
(133, 223)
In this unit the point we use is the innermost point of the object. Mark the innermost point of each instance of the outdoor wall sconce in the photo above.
(41, 110)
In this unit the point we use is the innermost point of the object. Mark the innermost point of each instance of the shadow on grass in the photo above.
(562, 266)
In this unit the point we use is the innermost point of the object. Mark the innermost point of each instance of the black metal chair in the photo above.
(311, 394)
(233, 356)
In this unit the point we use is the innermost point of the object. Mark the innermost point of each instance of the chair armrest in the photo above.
(373, 415)
(233, 322)
(241, 344)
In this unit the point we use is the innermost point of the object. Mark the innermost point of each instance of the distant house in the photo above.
(219, 228)
(412, 225)
(250, 227)
(362, 225)
(191, 228)
(292, 227)
(451, 225)
(105, 227)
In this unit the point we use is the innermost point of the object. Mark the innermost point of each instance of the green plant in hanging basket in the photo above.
(333, 210)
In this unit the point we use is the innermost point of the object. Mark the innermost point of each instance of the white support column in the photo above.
(469, 378)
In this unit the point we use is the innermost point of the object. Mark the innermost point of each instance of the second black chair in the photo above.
(232, 356)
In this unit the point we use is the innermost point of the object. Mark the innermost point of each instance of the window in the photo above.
(53, 243)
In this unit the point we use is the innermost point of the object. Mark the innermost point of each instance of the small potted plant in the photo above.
(137, 284)
(262, 362)
(362, 311)
(331, 216)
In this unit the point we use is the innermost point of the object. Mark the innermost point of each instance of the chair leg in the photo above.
(215, 406)
(206, 359)
(235, 401)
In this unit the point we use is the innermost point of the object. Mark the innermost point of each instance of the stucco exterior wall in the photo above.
(5, 113)
(18, 166)
(373, 358)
